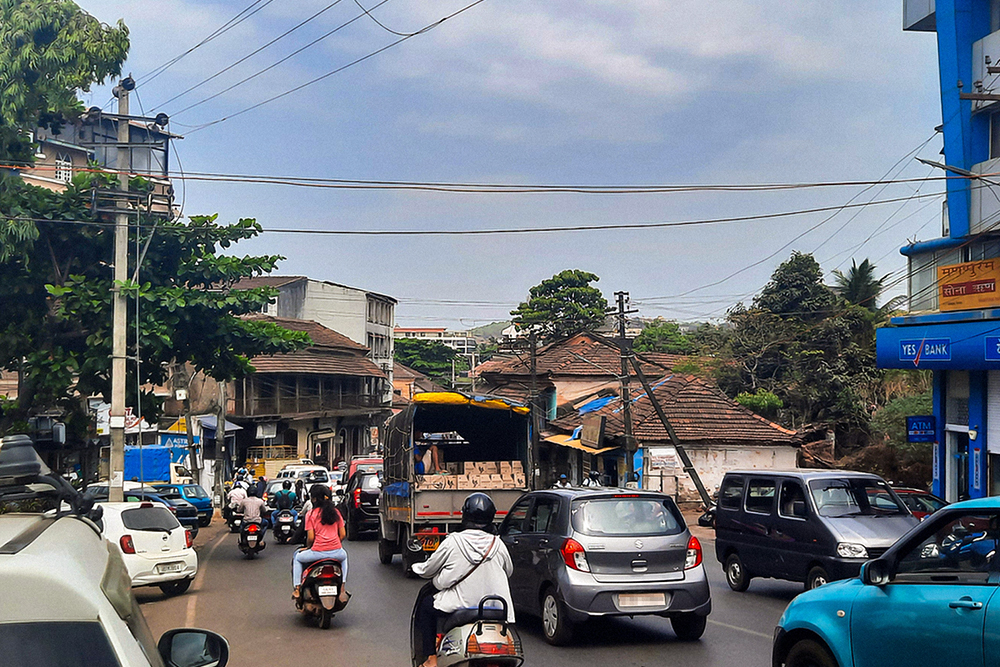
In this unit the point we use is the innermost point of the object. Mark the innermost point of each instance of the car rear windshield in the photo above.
(369, 482)
(854, 497)
(149, 518)
(56, 644)
(195, 491)
(627, 516)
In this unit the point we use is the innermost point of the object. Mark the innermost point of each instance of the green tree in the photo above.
(430, 357)
(861, 287)
(763, 402)
(562, 305)
(663, 336)
(796, 288)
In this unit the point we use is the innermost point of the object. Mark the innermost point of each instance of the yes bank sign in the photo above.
(925, 349)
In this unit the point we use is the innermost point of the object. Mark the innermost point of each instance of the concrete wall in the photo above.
(342, 309)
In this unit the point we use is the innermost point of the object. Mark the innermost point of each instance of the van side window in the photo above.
(792, 503)
(760, 496)
(731, 494)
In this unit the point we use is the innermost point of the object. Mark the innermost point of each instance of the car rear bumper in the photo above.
(145, 571)
(586, 597)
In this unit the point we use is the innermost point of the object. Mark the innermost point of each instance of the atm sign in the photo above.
(921, 429)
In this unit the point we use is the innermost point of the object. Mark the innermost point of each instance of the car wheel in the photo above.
(736, 574)
(808, 653)
(816, 578)
(688, 627)
(384, 551)
(556, 626)
(205, 521)
(175, 587)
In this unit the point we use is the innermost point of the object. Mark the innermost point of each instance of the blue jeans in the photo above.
(305, 556)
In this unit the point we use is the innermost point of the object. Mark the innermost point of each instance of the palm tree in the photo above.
(860, 287)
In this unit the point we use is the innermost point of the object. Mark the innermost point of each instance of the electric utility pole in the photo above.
(118, 333)
(623, 346)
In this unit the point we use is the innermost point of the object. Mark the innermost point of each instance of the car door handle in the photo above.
(965, 603)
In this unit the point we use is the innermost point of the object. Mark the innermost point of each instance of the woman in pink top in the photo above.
(324, 532)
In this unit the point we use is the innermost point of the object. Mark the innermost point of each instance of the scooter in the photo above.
(284, 525)
(234, 519)
(479, 637)
(252, 537)
(321, 594)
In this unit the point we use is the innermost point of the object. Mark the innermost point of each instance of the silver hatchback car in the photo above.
(586, 552)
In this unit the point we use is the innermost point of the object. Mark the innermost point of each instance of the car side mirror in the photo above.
(340, 492)
(190, 647)
(707, 520)
(875, 572)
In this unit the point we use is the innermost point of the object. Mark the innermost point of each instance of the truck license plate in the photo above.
(641, 600)
(164, 568)
(326, 591)
(429, 542)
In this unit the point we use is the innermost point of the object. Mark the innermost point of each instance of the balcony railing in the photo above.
(259, 406)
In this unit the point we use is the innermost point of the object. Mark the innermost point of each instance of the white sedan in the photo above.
(155, 547)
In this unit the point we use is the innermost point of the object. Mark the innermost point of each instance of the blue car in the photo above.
(927, 601)
(194, 494)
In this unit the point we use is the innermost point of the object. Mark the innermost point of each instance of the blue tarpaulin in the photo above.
(597, 404)
(155, 462)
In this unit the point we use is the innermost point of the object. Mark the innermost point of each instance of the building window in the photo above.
(64, 167)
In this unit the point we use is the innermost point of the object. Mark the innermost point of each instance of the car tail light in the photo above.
(693, 558)
(574, 555)
(252, 528)
(357, 498)
(172, 509)
(187, 539)
(127, 545)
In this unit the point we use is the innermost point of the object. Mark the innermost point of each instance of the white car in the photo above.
(155, 547)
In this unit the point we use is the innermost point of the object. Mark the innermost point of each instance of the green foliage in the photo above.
(562, 305)
(663, 336)
(763, 402)
(429, 357)
(889, 423)
(796, 288)
(860, 287)
(49, 50)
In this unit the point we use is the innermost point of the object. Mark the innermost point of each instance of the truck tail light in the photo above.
(127, 545)
(693, 558)
(574, 555)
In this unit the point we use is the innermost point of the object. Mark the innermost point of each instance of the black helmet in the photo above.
(252, 491)
(595, 474)
(478, 511)
(286, 484)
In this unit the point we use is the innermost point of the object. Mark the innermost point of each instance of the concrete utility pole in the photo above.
(533, 404)
(118, 349)
(625, 391)
(220, 444)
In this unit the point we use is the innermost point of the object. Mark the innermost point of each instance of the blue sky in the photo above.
(583, 92)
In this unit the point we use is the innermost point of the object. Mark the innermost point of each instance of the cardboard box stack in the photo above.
(471, 475)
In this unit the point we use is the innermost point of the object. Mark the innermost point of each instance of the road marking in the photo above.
(192, 603)
(736, 627)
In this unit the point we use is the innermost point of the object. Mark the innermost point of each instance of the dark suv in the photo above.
(585, 552)
(359, 505)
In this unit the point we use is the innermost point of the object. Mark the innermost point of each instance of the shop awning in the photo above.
(574, 443)
(209, 423)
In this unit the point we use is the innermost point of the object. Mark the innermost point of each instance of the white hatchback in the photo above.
(155, 547)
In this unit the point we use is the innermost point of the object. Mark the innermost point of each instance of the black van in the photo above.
(812, 526)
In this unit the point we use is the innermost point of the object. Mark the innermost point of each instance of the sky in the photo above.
(588, 92)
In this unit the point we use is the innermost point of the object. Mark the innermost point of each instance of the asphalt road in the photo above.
(249, 602)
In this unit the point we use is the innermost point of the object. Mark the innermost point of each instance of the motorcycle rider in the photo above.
(468, 565)
(284, 499)
(236, 496)
(562, 482)
(253, 507)
(324, 531)
(594, 479)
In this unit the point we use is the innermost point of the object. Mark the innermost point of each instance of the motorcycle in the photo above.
(234, 519)
(285, 524)
(252, 537)
(320, 595)
(479, 637)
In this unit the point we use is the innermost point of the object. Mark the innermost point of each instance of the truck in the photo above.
(152, 464)
(482, 442)
(267, 461)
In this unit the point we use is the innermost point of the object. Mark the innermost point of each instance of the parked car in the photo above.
(364, 464)
(67, 597)
(155, 547)
(812, 526)
(194, 494)
(185, 512)
(920, 503)
(308, 474)
(580, 553)
(359, 503)
(926, 601)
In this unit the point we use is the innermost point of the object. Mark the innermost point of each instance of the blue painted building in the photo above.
(953, 324)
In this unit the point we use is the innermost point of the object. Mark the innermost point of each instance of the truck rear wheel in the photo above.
(384, 551)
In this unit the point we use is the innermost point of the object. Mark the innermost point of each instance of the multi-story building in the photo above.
(365, 317)
(953, 323)
(461, 341)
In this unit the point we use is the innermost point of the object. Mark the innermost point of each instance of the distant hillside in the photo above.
(490, 330)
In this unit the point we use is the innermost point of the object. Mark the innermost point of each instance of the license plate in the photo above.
(326, 591)
(164, 568)
(642, 599)
(429, 542)
(252, 538)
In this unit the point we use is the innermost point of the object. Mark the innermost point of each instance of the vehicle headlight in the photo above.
(850, 550)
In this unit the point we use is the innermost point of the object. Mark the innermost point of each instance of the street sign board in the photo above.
(921, 429)
(592, 433)
(925, 349)
(969, 285)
